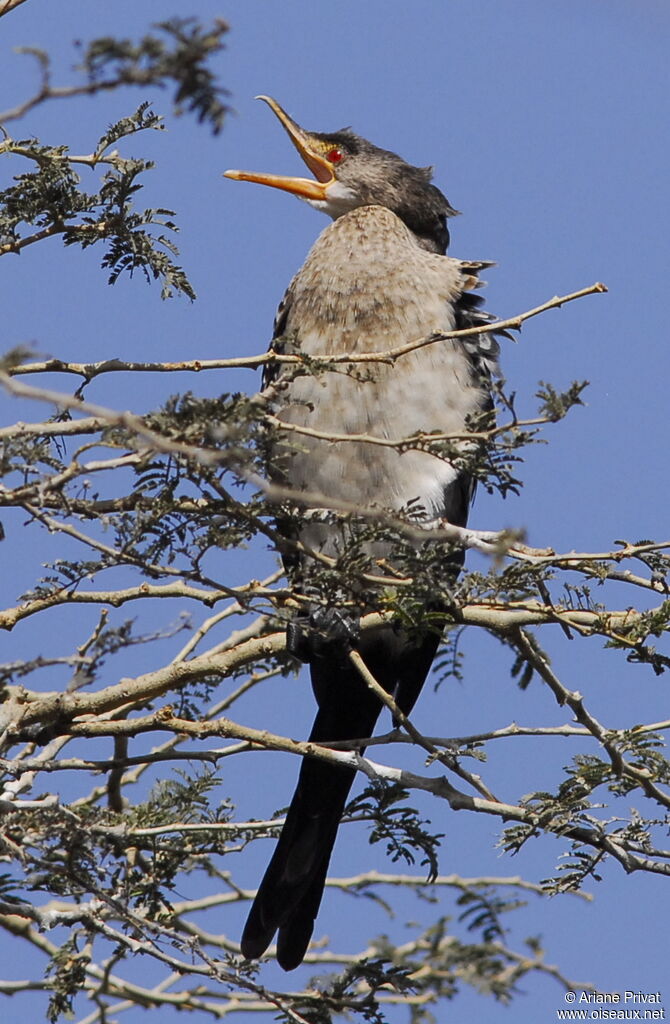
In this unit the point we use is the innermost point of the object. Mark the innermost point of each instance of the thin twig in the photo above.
(272, 358)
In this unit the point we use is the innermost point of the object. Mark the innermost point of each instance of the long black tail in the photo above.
(290, 893)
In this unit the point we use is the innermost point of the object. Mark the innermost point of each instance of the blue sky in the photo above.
(547, 125)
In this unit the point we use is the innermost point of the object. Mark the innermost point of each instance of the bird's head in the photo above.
(349, 172)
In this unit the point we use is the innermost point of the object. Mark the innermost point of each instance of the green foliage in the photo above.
(179, 55)
(573, 810)
(556, 404)
(67, 971)
(376, 974)
(401, 828)
(449, 661)
(648, 623)
(647, 757)
(8, 884)
(45, 197)
(183, 799)
(50, 198)
(484, 908)
(162, 506)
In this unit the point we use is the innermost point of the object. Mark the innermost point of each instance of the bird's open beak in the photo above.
(306, 188)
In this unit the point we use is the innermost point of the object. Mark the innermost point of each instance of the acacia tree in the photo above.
(145, 509)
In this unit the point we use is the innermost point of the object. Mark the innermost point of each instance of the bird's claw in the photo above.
(297, 642)
(317, 634)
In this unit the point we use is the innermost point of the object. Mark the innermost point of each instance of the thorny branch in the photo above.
(113, 856)
(90, 370)
(118, 711)
(178, 55)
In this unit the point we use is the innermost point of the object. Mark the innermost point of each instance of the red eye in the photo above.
(334, 156)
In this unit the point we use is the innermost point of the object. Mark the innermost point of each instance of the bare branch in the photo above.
(9, 5)
(90, 370)
(606, 737)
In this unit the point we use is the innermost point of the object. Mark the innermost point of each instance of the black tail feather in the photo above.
(290, 893)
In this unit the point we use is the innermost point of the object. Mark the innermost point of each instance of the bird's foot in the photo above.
(317, 634)
(297, 639)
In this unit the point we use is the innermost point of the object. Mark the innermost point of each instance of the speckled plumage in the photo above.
(376, 279)
(368, 286)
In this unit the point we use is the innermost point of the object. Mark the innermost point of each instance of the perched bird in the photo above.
(376, 278)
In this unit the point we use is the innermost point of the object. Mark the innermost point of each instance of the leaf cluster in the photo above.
(162, 506)
(180, 55)
(401, 828)
(51, 199)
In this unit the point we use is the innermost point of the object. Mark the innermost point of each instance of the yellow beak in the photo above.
(306, 188)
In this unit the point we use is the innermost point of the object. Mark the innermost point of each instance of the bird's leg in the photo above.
(315, 634)
(335, 625)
